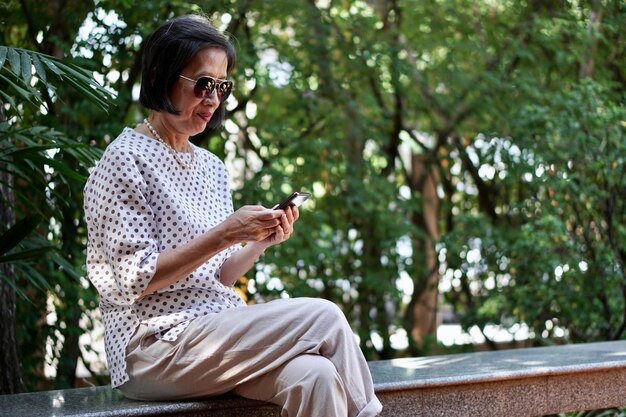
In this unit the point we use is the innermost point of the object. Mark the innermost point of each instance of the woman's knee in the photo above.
(317, 373)
(324, 309)
(312, 387)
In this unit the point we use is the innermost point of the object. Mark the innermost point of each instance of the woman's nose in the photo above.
(212, 98)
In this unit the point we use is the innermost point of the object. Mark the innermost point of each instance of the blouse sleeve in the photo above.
(122, 229)
(224, 192)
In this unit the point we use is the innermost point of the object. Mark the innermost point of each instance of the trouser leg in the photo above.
(307, 385)
(217, 353)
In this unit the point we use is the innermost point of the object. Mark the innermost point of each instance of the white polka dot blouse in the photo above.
(139, 202)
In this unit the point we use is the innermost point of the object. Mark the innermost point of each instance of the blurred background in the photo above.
(466, 158)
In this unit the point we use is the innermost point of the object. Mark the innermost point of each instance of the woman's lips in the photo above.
(206, 116)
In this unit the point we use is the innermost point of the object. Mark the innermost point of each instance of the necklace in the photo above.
(172, 150)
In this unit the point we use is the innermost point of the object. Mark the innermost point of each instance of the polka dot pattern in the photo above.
(139, 202)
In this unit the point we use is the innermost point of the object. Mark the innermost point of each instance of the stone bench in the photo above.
(512, 383)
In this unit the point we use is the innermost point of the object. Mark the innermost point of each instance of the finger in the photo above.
(286, 224)
(267, 218)
(269, 224)
(280, 234)
(289, 213)
(251, 208)
(295, 212)
(271, 214)
(288, 234)
(272, 234)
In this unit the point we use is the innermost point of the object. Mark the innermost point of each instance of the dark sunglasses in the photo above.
(204, 86)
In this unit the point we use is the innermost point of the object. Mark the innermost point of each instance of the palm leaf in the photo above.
(17, 290)
(37, 279)
(28, 149)
(8, 99)
(26, 254)
(63, 263)
(30, 78)
(27, 67)
(14, 60)
(21, 63)
(40, 71)
(23, 90)
(3, 55)
(12, 237)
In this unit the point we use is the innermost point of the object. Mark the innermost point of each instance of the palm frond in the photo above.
(18, 76)
(34, 158)
(12, 237)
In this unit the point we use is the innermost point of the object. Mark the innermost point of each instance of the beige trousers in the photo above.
(298, 353)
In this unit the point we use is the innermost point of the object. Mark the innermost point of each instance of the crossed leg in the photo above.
(299, 353)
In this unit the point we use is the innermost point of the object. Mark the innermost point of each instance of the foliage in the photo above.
(609, 412)
(26, 150)
(38, 165)
(578, 225)
(481, 143)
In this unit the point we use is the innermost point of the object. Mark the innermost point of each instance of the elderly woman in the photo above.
(165, 248)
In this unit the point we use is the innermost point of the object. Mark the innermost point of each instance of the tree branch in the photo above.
(486, 192)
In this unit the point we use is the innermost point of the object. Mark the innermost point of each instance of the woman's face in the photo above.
(195, 112)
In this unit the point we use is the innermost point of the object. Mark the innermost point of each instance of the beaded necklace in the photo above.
(172, 150)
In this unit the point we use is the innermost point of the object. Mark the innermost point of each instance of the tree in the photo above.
(441, 141)
(523, 257)
(26, 191)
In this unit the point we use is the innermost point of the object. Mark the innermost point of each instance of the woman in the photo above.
(165, 248)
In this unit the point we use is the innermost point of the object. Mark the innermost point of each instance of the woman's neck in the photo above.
(177, 141)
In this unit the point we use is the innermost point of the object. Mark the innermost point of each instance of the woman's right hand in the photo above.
(251, 224)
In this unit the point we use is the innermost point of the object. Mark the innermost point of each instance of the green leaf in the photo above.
(77, 71)
(27, 95)
(81, 80)
(52, 66)
(17, 233)
(17, 290)
(25, 254)
(3, 55)
(81, 75)
(19, 152)
(89, 94)
(39, 68)
(38, 280)
(14, 60)
(27, 70)
(8, 99)
(58, 166)
(63, 263)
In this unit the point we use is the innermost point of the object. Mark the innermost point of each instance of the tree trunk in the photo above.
(594, 24)
(11, 380)
(422, 310)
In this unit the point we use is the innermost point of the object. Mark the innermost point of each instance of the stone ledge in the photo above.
(480, 367)
(106, 402)
(512, 383)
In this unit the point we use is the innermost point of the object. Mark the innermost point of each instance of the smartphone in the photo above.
(295, 199)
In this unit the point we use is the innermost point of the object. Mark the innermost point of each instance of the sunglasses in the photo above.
(204, 87)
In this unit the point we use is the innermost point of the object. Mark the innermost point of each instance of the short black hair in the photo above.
(168, 50)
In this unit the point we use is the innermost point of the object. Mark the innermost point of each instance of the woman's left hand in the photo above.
(242, 260)
(284, 230)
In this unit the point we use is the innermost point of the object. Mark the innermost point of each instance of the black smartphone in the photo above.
(295, 199)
